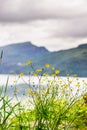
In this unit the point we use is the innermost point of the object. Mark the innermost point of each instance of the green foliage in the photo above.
(51, 104)
(6, 110)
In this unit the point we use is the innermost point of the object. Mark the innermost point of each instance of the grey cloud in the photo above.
(60, 18)
(29, 10)
(69, 28)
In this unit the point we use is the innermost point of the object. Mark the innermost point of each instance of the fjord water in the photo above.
(22, 82)
(21, 85)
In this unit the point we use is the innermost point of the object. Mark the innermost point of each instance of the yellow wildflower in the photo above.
(61, 88)
(66, 85)
(77, 78)
(47, 65)
(42, 80)
(67, 94)
(85, 96)
(28, 63)
(54, 81)
(79, 105)
(39, 70)
(57, 71)
(21, 74)
(49, 87)
(70, 81)
(35, 74)
(83, 81)
(15, 81)
(29, 91)
(45, 74)
(60, 80)
(78, 85)
(53, 68)
(74, 75)
(54, 75)
(67, 74)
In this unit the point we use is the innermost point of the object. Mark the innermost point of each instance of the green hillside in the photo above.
(67, 61)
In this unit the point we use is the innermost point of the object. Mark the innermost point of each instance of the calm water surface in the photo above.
(21, 84)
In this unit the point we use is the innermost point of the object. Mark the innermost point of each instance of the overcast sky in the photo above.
(55, 24)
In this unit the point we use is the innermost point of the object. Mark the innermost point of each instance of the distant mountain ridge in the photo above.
(16, 55)
(68, 61)
(83, 46)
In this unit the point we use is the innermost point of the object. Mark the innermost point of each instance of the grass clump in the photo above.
(53, 103)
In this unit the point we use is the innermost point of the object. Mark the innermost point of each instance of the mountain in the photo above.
(72, 61)
(16, 55)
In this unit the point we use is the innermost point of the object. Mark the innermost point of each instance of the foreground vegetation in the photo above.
(52, 104)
